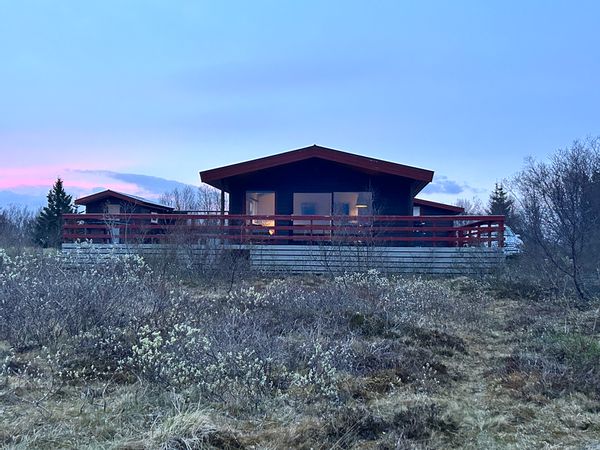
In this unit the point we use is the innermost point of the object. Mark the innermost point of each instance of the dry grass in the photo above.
(437, 378)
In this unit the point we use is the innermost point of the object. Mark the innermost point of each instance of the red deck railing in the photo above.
(442, 231)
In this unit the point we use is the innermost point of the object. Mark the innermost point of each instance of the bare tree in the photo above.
(16, 226)
(474, 206)
(191, 198)
(560, 202)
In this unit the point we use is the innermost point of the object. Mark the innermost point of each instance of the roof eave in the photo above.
(452, 208)
(110, 193)
(213, 176)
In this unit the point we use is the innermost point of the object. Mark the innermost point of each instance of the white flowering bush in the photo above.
(7, 357)
(185, 356)
(371, 279)
(259, 342)
(247, 298)
(418, 301)
(92, 355)
(320, 375)
(44, 298)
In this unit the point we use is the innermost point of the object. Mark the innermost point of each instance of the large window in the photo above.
(261, 203)
(312, 204)
(330, 203)
(352, 203)
(336, 203)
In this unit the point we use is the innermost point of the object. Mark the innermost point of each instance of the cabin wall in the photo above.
(433, 211)
(391, 195)
(427, 210)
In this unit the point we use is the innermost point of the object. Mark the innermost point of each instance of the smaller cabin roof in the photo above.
(216, 177)
(108, 193)
(444, 206)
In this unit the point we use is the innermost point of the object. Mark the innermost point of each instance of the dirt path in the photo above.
(476, 396)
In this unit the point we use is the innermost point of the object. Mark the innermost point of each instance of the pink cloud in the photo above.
(38, 179)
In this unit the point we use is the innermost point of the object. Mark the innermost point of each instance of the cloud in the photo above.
(443, 185)
(132, 183)
(31, 190)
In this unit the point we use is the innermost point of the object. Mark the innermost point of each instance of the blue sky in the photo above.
(167, 88)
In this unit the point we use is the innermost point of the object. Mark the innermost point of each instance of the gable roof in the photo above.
(215, 177)
(121, 196)
(444, 206)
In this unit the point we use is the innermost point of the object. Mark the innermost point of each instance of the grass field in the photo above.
(120, 357)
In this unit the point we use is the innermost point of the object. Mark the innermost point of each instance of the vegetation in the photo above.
(561, 215)
(501, 204)
(471, 207)
(182, 351)
(16, 227)
(189, 198)
(118, 355)
(48, 225)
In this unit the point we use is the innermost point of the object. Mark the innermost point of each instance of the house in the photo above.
(317, 180)
(113, 202)
(306, 209)
(110, 218)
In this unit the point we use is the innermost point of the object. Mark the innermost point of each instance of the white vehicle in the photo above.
(513, 244)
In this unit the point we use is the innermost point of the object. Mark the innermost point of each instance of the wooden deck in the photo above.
(314, 258)
(292, 243)
(379, 230)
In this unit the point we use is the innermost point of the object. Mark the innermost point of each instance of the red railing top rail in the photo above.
(477, 218)
(455, 230)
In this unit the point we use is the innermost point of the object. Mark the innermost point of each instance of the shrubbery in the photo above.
(332, 351)
(44, 298)
(246, 347)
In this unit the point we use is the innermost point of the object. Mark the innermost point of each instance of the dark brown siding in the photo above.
(433, 211)
(391, 194)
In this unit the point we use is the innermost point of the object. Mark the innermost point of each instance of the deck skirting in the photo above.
(312, 258)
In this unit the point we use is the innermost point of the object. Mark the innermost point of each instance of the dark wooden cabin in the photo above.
(323, 182)
(113, 202)
(317, 180)
(309, 196)
(110, 217)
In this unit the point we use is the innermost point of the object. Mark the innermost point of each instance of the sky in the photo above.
(139, 96)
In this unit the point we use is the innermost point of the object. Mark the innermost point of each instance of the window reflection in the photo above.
(261, 203)
(353, 203)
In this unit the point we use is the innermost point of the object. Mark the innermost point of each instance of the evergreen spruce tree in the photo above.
(48, 226)
(500, 204)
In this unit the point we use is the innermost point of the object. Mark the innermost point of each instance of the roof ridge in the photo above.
(216, 175)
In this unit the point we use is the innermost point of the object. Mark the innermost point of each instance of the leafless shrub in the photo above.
(473, 206)
(560, 204)
(244, 347)
(527, 277)
(201, 198)
(16, 227)
(44, 297)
